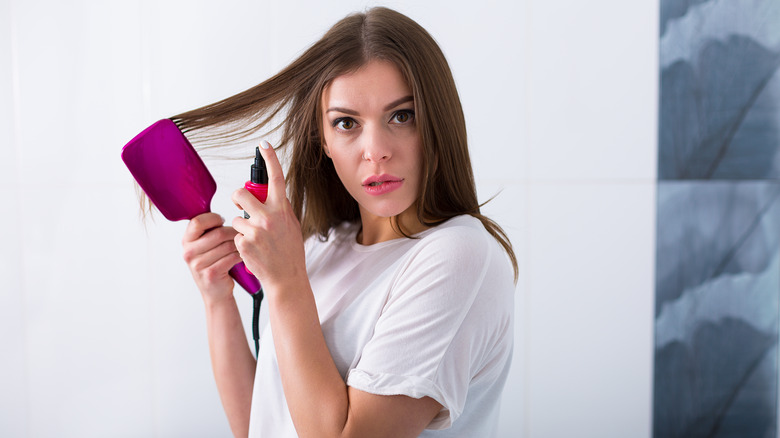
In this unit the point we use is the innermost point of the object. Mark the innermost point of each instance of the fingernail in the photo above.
(265, 145)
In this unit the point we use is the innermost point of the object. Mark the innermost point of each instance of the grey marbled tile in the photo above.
(717, 309)
(719, 114)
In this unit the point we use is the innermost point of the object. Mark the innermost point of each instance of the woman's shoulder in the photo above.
(458, 234)
(461, 259)
(461, 223)
(459, 246)
(463, 244)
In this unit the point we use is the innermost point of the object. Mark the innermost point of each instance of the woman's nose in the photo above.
(377, 146)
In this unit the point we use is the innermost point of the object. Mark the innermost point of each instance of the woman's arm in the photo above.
(210, 252)
(232, 363)
(320, 403)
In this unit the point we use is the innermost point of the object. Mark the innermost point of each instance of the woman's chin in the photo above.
(382, 211)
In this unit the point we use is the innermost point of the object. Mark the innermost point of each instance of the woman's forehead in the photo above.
(377, 83)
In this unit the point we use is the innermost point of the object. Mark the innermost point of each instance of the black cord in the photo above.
(257, 298)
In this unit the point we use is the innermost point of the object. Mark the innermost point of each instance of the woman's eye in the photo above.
(345, 124)
(402, 116)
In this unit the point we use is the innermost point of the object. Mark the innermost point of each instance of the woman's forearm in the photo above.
(321, 404)
(231, 361)
(315, 391)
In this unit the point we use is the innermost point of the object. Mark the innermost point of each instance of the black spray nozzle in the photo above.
(259, 174)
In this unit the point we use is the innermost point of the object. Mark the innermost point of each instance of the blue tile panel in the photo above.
(719, 115)
(717, 307)
(717, 300)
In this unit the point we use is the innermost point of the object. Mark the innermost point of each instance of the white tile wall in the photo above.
(77, 64)
(589, 309)
(8, 170)
(87, 305)
(592, 89)
(102, 330)
(488, 69)
(14, 401)
(508, 208)
(14, 378)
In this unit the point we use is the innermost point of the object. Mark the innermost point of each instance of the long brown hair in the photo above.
(291, 101)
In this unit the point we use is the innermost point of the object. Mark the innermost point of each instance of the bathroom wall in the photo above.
(718, 258)
(101, 329)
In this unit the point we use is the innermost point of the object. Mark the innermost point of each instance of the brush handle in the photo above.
(243, 277)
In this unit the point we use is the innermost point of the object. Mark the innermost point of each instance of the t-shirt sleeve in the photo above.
(429, 341)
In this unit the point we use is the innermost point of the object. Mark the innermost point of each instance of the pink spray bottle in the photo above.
(258, 186)
(258, 179)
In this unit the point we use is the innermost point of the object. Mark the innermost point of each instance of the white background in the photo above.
(102, 331)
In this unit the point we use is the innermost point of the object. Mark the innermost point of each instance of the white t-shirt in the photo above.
(431, 316)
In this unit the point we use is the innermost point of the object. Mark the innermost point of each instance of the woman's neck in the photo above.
(376, 229)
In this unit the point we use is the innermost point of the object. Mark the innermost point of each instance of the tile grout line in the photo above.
(145, 27)
(16, 137)
(526, 256)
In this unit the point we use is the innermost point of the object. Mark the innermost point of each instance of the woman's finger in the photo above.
(211, 239)
(200, 224)
(220, 258)
(276, 187)
(245, 200)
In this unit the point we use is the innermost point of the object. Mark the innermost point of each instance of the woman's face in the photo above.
(371, 136)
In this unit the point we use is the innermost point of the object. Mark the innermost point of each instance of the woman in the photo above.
(390, 296)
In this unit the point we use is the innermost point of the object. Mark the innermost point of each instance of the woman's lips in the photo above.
(381, 184)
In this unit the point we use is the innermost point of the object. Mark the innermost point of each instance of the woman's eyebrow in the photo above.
(397, 102)
(343, 110)
(388, 107)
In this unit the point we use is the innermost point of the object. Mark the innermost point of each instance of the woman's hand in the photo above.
(210, 252)
(270, 241)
